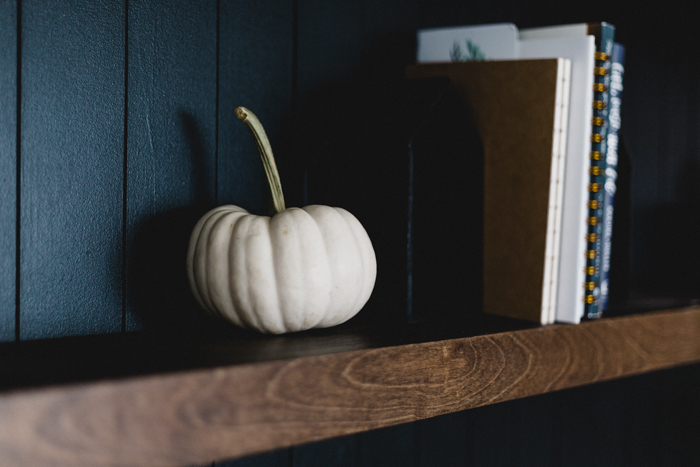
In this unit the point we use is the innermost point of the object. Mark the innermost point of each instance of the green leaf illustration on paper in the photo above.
(473, 53)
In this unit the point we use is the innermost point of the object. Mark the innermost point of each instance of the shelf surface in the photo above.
(137, 399)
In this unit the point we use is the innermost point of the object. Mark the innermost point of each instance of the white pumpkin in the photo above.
(299, 269)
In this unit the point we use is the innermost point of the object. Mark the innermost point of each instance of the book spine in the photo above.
(617, 71)
(605, 35)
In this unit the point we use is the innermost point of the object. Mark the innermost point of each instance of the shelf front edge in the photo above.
(201, 415)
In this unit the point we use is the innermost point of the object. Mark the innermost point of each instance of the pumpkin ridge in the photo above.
(306, 268)
(193, 253)
(328, 263)
(214, 288)
(206, 237)
(273, 258)
(202, 265)
(359, 249)
(284, 312)
(296, 225)
(241, 295)
(294, 237)
(260, 270)
(363, 249)
(190, 261)
(225, 306)
(370, 258)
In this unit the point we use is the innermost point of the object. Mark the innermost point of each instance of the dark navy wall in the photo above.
(71, 164)
(117, 132)
(256, 59)
(124, 114)
(170, 137)
(8, 167)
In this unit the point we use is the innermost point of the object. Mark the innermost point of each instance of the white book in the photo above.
(482, 42)
(553, 32)
(550, 291)
(581, 52)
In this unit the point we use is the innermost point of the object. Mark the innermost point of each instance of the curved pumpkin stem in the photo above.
(265, 150)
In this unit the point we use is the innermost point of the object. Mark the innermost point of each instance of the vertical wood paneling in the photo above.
(338, 452)
(332, 91)
(679, 429)
(533, 432)
(255, 71)
(694, 115)
(611, 424)
(170, 152)
(279, 458)
(659, 417)
(492, 434)
(643, 97)
(8, 166)
(347, 51)
(329, 45)
(676, 157)
(71, 157)
(672, 243)
(395, 445)
(640, 444)
(443, 441)
(586, 426)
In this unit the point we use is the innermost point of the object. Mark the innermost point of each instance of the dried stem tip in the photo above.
(265, 150)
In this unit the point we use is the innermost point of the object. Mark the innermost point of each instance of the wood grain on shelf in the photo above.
(200, 415)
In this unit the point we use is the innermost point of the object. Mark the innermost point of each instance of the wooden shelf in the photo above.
(135, 400)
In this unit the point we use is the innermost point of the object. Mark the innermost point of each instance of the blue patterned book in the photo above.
(617, 71)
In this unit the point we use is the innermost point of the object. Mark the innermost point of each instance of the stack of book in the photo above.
(546, 104)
